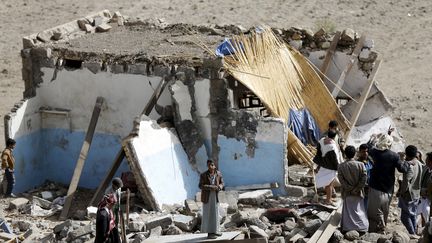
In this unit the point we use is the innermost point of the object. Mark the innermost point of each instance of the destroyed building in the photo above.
(208, 111)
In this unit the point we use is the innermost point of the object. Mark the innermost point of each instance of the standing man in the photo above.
(363, 156)
(8, 164)
(328, 158)
(115, 190)
(211, 182)
(409, 191)
(106, 229)
(352, 176)
(382, 180)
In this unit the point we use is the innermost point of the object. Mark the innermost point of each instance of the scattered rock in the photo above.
(297, 44)
(163, 221)
(279, 239)
(156, 232)
(103, 28)
(18, 203)
(137, 226)
(24, 225)
(82, 23)
(184, 222)
(348, 36)
(60, 227)
(47, 195)
(256, 232)
(5, 71)
(400, 237)
(372, 237)
(325, 45)
(320, 33)
(352, 235)
(83, 233)
(79, 215)
(337, 236)
(173, 230)
(279, 215)
(288, 225)
(312, 225)
(296, 191)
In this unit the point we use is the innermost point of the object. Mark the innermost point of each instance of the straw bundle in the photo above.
(283, 79)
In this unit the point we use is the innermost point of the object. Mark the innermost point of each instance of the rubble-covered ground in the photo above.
(255, 214)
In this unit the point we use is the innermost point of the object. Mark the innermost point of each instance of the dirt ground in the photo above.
(401, 30)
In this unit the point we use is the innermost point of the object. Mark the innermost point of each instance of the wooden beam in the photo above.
(363, 98)
(330, 52)
(333, 224)
(82, 157)
(315, 237)
(121, 154)
(108, 177)
(353, 60)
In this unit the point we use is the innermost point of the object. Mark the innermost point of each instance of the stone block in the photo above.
(98, 20)
(137, 226)
(45, 204)
(94, 67)
(163, 222)
(117, 68)
(155, 232)
(296, 191)
(255, 197)
(103, 28)
(184, 222)
(256, 232)
(89, 28)
(312, 225)
(18, 203)
(82, 233)
(82, 23)
(138, 68)
(57, 35)
(47, 195)
(61, 226)
(348, 35)
(352, 235)
(44, 36)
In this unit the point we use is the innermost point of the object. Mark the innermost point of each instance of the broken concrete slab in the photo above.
(254, 197)
(162, 221)
(152, 167)
(296, 191)
(18, 203)
(194, 238)
(184, 222)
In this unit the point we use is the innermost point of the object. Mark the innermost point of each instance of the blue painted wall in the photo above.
(51, 154)
(238, 169)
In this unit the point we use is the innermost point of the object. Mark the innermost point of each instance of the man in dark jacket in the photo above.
(211, 182)
(106, 230)
(382, 180)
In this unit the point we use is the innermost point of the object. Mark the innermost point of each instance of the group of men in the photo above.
(367, 181)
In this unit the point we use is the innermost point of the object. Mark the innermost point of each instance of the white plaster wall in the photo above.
(182, 97)
(26, 119)
(354, 82)
(362, 134)
(202, 103)
(77, 90)
(164, 164)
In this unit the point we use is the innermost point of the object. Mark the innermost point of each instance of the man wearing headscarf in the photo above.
(115, 189)
(106, 230)
(382, 180)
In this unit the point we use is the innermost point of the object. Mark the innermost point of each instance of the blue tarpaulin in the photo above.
(303, 125)
(227, 47)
